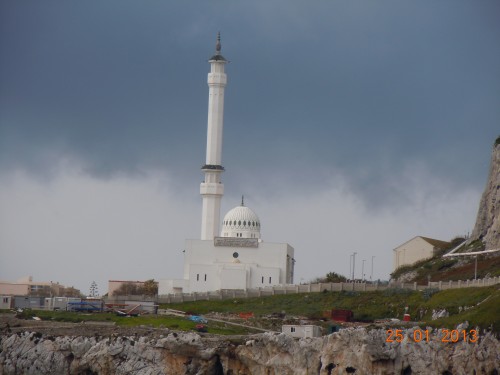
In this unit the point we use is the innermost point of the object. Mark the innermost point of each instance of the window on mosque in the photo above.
(205, 277)
(197, 277)
(239, 222)
(269, 279)
(245, 223)
(262, 279)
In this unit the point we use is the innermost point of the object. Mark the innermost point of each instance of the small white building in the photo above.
(6, 302)
(302, 331)
(416, 249)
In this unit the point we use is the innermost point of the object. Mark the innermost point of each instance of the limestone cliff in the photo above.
(487, 225)
(357, 351)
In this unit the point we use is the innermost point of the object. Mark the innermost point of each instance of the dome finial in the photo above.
(218, 45)
(242, 200)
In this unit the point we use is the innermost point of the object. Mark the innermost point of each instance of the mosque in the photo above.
(235, 257)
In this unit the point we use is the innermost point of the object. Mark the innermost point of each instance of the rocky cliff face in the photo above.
(350, 351)
(487, 225)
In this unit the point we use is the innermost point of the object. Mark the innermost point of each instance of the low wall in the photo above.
(305, 288)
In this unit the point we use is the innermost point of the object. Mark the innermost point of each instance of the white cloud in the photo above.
(75, 228)
(328, 223)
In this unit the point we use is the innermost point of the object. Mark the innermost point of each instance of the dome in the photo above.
(241, 222)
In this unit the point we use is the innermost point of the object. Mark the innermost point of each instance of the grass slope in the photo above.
(479, 306)
(482, 304)
(452, 268)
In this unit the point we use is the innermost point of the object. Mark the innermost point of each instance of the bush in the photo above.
(398, 292)
(429, 292)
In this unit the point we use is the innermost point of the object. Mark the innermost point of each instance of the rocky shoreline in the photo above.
(93, 349)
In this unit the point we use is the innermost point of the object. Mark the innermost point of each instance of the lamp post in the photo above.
(350, 266)
(363, 270)
(353, 264)
(371, 273)
(475, 270)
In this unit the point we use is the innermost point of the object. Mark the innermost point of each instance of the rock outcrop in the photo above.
(354, 350)
(487, 226)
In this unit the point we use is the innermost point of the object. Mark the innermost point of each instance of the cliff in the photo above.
(487, 226)
(351, 350)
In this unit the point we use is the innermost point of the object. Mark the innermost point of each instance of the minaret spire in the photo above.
(218, 45)
(212, 188)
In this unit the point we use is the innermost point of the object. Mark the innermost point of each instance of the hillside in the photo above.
(487, 228)
(479, 306)
(485, 236)
(452, 268)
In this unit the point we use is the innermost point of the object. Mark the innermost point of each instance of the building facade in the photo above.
(302, 331)
(26, 286)
(417, 249)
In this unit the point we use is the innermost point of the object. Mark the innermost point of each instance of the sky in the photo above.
(349, 126)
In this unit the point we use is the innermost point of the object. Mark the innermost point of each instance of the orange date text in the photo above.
(445, 335)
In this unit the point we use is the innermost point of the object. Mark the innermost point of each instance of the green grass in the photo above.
(483, 304)
(390, 303)
(486, 315)
(445, 269)
(154, 321)
(366, 305)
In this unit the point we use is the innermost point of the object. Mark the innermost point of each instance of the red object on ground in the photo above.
(342, 315)
(246, 315)
(406, 317)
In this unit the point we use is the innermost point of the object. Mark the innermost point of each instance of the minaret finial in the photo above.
(218, 45)
(242, 200)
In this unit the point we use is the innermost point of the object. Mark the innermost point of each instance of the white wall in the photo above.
(302, 331)
(412, 251)
(171, 286)
(233, 278)
(208, 267)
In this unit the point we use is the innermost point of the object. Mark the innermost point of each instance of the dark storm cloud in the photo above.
(366, 88)
(344, 121)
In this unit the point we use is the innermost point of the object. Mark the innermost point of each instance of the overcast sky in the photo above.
(350, 126)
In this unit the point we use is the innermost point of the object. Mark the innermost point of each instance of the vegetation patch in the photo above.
(462, 304)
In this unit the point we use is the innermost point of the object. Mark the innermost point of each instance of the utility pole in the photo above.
(475, 270)
(371, 273)
(350, 266)
(353, 265)
(363, 270)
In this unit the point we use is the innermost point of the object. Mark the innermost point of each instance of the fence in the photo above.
(305, 288)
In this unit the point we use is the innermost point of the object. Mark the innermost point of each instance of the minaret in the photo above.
(212, 188)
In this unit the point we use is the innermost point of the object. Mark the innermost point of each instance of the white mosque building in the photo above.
(234, 257)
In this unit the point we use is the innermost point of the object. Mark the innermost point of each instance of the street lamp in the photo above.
(475, 270)
(353, 264)
(371, 273)
(363, 270)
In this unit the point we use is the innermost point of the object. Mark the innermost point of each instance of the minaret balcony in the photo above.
(212, 167)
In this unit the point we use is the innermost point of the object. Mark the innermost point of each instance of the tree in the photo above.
(71, 292)
(333, 277)
(94, 292)
(150, 287)
(127, 289)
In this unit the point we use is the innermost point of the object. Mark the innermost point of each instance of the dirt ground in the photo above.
(10, 324)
